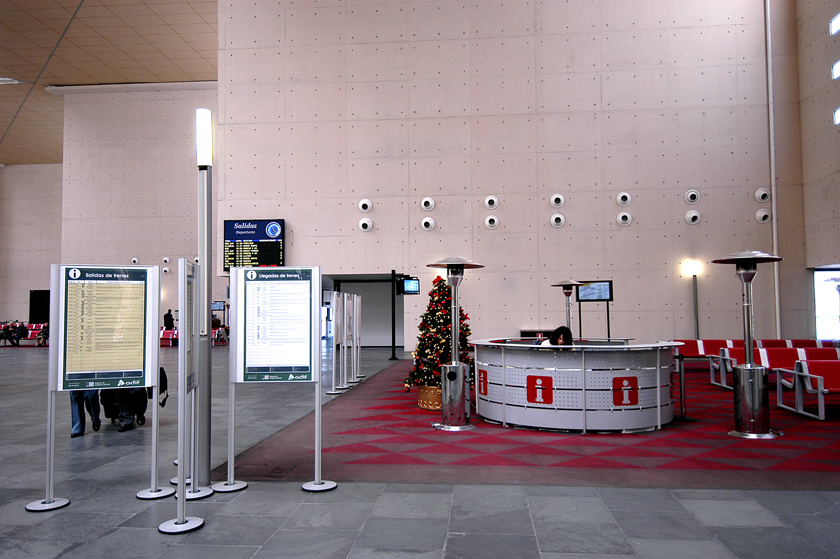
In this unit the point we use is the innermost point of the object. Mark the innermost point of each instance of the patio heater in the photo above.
(568, 286)
(455, 393)
(749, 383)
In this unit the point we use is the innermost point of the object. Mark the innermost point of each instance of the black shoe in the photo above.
(125, 427)
(74, 435)
(96, 425)
(141, 419)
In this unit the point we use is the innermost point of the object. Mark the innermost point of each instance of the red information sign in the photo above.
(626, 391)
(482, 382)
(539, 390)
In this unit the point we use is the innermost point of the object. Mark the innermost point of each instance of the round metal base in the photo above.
(174, 480)
(323, 486)
(148, 494)
(200, 493)
(43, 506)
(442, 427)
(770, 435)
(685, 419)
(172, 527)
(225, 487)
(333, 392)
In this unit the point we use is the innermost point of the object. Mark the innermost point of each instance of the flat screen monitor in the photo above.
(594, 291)
(254, 243)
(217, 306)
(411, 286)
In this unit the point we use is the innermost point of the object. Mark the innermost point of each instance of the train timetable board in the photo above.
(107, 326)
(254, 243)
(275, 324)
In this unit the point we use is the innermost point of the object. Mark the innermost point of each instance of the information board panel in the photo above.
(276, 323)
(108, 326)
(253, 243)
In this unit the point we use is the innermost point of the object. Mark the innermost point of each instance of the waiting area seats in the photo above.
(819, 377)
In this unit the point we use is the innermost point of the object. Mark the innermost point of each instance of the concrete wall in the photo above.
(30, 234)
(322, 105)
(819, 96)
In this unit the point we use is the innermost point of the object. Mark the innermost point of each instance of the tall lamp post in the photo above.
(693, 268)
(568, 286)
(749, 382)
(204, 158)
(455, 407)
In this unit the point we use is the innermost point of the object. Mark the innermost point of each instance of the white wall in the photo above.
(376, 313)
(323, 104)
(30, 234)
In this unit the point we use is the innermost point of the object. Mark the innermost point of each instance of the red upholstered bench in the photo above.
(808, 377)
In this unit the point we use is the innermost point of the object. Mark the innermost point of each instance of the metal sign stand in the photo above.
(155, 492)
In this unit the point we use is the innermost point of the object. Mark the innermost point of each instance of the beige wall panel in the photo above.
(754, 165)
(431, 176)
(498, 174)
(252, 66)
(252, 28)
(377, 23)
(504, 134)
(709, 86)
(441, 20)
(577, 52)
(314, 102)
(822, 243)
(382, 253)
(515, 213)
(321, 217)
(578, 131)
(714, 166)
(436, 59)
(496, 18)
(628, 170)
(559, 16)
(377, 138)
(377, 178)
(713, 126)
(316, 140)
(635, 89)
(373, 100)
(501, 291)
(452, 215)
(630, 129)
(559, 172)
(494, 57)
(316, 26)
(439, 98)
(752, 88)
(437, 137)
(261, 177)
(752, 124)
(819, 199)
(370, 62)
(322, 63)
(637, 48)
(247, 104)
(511, 251)
(704, 46)
(568, 92)
(426, 247)
(315, 177)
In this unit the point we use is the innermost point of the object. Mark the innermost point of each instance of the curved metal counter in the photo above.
(624, 387)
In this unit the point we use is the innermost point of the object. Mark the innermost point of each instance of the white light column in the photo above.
(693, 268)
(204, 158)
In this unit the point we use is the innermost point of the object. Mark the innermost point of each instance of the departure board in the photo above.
(104, 327)
(254, 243)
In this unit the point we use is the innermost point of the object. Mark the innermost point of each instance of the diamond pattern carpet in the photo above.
(375, 432)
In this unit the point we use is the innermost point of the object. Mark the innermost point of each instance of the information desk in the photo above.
(625, 387)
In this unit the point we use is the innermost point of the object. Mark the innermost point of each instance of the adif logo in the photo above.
(128, 383)
(121, 383)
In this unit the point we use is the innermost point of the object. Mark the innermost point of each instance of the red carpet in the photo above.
(375, 432)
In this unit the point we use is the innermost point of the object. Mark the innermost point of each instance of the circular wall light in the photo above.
(692, 196)
(624, 219)
(558, 220)
(365, 224)
(427, 223)
(427, 203)
(762, 194)
(365, 205)
(557, 200)
(165, 269)
(623, 198)
(491, 222)
(166, 260)
(491, 202)
(135, 260)
(762, 216)
(692, 217)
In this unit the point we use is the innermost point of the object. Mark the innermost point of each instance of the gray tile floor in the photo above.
(101, 473)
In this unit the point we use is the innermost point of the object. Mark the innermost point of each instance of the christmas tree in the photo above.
(434, 343)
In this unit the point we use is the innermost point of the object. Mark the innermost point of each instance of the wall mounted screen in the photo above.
(254, 243)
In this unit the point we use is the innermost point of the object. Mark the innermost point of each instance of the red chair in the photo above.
(820, 354)
(811, 377)
(803, 343)
(773, 343)
(723, 363)
(778, 357)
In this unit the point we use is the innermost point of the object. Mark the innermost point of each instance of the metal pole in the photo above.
(203, 426)
(393, 315)
(696, 309)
